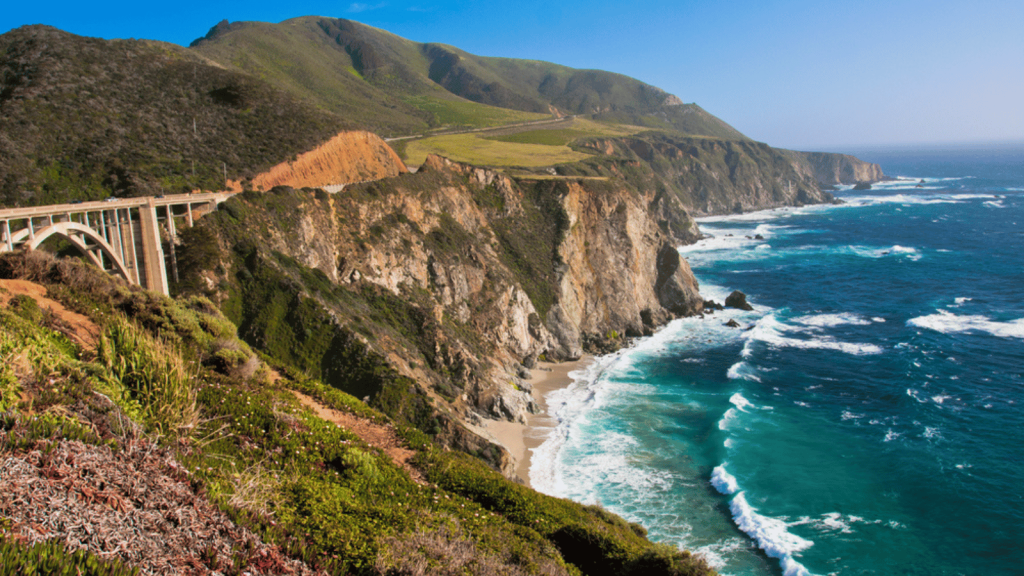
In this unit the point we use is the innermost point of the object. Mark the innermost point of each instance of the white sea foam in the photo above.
(834, 521)
(771, 534)
(608, 460)
(971, 196)
(770, 331)
(895, 250)
(801, 404)
(847, 415)
(917, 395)
(716, 242)
(607, 381)
(715, 554)
(742, 371)
(565, 405)
(718, 238)
(723, 481)
(727, 418)
(926, 195)
(939, 399)
(830, 320)
(949, 323)
(740, 402)
(890, 435)
(904, 199)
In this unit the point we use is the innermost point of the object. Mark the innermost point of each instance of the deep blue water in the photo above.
(867, 416)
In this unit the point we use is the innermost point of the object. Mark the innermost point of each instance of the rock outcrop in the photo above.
(620, 272)
(830, 169)
(738, 300)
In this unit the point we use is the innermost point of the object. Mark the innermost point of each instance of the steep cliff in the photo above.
(351, 156)
(830, 169)
(447, 280)
(621, 270)
(706, 175)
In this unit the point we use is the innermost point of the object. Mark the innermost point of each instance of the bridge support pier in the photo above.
(155, 277)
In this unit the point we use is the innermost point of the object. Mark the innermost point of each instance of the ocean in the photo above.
(867, 417)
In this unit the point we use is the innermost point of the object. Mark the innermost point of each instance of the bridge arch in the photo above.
(76, 234)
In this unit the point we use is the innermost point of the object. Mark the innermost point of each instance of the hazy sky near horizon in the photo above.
(794, 73)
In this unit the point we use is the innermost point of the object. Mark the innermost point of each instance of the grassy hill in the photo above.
(339, 63)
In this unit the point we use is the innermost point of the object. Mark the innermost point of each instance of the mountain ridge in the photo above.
(386, 61)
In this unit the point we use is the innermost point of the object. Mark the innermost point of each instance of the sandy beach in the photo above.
(522, 439)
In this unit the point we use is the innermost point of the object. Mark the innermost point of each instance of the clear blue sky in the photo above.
(794, 73)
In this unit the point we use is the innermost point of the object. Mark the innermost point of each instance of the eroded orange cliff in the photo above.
(349, 157)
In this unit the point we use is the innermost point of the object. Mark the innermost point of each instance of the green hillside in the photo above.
(85, 118)
(396, 85)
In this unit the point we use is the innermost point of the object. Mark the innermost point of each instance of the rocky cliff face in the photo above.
(620, 271)
(351, 156)
(830, 169)
(537, 268)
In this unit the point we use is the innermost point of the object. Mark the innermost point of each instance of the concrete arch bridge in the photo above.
(120, 236)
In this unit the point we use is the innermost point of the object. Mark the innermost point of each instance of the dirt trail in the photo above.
(376, 435)
(75, 326)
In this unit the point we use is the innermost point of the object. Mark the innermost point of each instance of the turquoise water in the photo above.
(865, 419)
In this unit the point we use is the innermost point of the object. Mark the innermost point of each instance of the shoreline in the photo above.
(522, 439)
